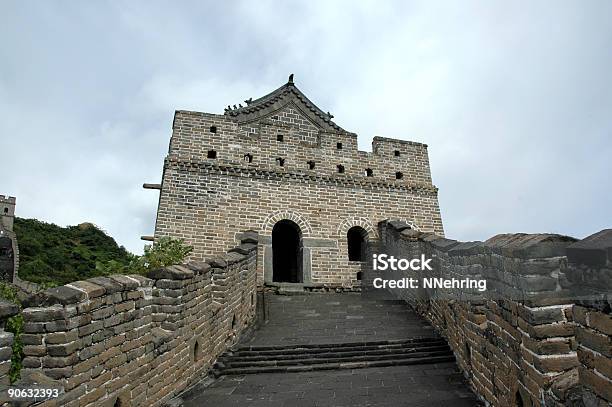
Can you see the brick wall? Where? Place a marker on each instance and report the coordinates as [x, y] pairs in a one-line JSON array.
[[136, 339], [537, 336], [7, 310], [302, 141]]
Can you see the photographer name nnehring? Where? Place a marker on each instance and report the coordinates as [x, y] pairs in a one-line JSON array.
[[383, 262]]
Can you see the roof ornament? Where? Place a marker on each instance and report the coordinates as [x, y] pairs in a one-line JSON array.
[[290, 79], [248, 101], [227, 109], [331, 116], [235, 107]]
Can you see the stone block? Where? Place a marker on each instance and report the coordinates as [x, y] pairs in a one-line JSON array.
[[594, 340], [594, 250], [598, 384], [468, 249], [601, 322], [443, 244], [171, 273], [110, 286], [530, 246], [594, 360], [126, 282], [63, 295], [93, 290], [217, 262], [7, 309], [198, 267]]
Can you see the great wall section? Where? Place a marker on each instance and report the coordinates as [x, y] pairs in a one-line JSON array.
[[276, 199]]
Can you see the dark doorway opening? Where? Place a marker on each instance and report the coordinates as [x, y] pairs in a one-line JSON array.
[[357, 243], [287, 252]]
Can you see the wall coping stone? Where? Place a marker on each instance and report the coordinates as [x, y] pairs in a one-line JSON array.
[[594, 250], [530, 246], [444, 244], [234, 257], [8, 309], [198, 267], [109, 285], [63, 295], [468, 248], [217, 262], [171, 273]]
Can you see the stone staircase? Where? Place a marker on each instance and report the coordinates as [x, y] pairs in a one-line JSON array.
[[352, 355]]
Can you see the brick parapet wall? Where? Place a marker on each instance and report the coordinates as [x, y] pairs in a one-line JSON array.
[[139, 340], [302, 141], [590, 273], [525, 340]]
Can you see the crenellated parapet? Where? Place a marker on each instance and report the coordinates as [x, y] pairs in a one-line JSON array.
[[541, 333], [136, 340]]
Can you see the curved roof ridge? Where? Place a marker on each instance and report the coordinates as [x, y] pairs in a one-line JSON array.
[[268, 104]]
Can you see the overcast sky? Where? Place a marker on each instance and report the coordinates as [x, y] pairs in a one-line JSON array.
[[514, 99]]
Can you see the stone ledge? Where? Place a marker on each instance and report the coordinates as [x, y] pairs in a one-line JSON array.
[[171, 273], [196, 164], [7, 309], [529, 246], [468, 249], [82, 290], [594, 250]]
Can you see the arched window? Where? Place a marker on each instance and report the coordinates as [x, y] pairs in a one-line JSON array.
[[357, 238]]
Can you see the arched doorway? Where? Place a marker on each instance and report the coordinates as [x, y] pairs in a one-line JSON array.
[[287, 252], [357, 239]]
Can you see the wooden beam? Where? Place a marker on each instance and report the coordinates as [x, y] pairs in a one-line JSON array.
[[151, 186], [147, 238]]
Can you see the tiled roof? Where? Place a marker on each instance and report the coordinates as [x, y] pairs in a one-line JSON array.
[[276, 100]]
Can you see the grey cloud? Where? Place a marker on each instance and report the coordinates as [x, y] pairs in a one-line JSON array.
[[512, 98]]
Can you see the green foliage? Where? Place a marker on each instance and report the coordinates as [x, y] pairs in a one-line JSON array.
[[165, 252], [9, 292], [52, 255], [15, 325]]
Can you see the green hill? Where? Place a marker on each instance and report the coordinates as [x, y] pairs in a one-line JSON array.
[[52, 254]]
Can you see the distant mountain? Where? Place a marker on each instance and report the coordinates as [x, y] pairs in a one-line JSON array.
[[52, 254]]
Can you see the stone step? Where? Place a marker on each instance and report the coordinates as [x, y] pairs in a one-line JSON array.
[[334, 366], [234, 363], [410, 341], [328, 352]]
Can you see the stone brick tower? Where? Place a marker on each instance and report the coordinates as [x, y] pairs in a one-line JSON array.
[[8, 242], [282, 167], [7, 212]]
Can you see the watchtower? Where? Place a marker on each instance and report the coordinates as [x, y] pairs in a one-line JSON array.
[[281, 166], [7, 211]]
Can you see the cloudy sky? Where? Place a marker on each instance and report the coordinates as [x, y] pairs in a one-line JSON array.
[[513, 98]]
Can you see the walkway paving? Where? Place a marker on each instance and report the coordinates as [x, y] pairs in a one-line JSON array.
[[338, 318]]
